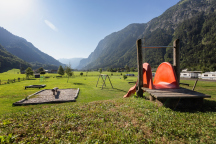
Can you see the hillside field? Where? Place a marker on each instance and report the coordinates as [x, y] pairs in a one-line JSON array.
[[101, 116]]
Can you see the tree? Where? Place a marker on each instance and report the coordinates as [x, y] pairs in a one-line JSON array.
[[81, 73], [60, 70], [68, 71], [127, 68], [125, 77], [29, 72], [86, 72], [40, 69], [100, 70], [132, 69]]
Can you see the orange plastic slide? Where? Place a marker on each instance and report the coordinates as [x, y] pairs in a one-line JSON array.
[[165, 77]]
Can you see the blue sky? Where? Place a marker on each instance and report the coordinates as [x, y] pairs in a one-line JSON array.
[[73, 28]]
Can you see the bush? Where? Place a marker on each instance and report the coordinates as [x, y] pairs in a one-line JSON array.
[[125, 77], [81, 73]]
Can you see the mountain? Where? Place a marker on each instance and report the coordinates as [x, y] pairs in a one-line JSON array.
[[193, 22], [73, 61], [24, 50], [110, 50], [9, 61]]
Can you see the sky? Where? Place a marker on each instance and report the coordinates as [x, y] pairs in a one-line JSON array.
[[73, 28]]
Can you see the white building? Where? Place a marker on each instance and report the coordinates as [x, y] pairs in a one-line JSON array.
[[209, 75], [190, 74]]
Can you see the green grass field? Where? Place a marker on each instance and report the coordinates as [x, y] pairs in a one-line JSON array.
[[101, 116]]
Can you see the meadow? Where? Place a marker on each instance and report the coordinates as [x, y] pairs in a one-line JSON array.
[[101, 116]]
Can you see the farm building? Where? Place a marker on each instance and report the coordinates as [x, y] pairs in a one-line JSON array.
[[190, 74], [209, 75]]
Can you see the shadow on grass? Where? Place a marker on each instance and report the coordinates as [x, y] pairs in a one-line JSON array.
[[208, 106], [132, 82], [120, 90], [112, 89], [79, 83]]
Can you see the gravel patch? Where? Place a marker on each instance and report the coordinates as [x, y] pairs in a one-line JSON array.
[[46, 96]]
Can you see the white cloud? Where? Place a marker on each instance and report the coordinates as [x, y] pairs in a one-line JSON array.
[[49, 24]]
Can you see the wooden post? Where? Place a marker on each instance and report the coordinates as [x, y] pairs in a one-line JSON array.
[[176, 58], [140, 68], [194, 85]]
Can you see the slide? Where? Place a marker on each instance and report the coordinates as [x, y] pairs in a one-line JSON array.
[[165, 78], [147, 80]]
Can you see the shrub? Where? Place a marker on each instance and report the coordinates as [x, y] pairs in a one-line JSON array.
[[125, 77]]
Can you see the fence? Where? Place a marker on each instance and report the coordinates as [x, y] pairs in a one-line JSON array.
[[11, 81]]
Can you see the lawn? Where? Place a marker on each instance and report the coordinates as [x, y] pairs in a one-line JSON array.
[[103, 116]]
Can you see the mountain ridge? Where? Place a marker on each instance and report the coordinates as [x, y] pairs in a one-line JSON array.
[[23, 49], [162, 30]]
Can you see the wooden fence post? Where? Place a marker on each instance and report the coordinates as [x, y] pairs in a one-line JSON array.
[[176, 58], [140, 68]]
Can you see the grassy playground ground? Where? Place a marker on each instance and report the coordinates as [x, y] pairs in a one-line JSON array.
[[101, 116]]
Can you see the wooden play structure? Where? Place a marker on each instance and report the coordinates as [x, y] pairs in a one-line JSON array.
[[165, 86], [103, 77]]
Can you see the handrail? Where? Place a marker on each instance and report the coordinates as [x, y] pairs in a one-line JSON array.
[[158, 47]]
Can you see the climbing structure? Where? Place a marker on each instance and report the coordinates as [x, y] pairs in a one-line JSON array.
[[165, 87]]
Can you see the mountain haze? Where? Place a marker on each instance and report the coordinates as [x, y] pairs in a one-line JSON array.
[[193, 22], [74, 62]]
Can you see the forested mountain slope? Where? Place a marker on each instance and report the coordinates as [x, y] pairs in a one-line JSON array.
[[9, 61], [23, 49], [191, 21]]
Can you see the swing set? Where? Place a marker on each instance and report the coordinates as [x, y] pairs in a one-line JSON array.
[[103, 77]]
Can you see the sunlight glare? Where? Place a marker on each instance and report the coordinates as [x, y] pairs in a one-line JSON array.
[[12, 8]]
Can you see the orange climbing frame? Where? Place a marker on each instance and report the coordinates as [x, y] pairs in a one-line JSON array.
[[165, 78]]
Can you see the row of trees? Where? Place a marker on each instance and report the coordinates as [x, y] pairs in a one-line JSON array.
[[67, 70], [126, 68], [29, 71]]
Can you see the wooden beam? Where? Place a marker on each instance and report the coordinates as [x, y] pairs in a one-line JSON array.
[[140, 68], [194, 85], [176, 58]]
